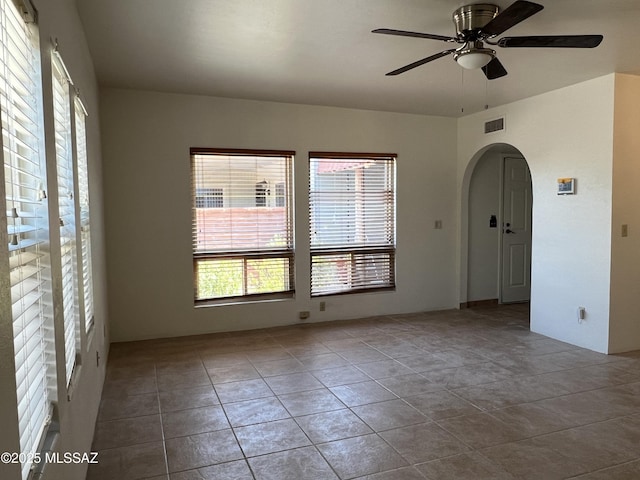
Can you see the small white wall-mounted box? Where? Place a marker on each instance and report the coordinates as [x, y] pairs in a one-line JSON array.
[[566, 186]]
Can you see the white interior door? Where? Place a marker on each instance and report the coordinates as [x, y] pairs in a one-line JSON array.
[[516, 232]]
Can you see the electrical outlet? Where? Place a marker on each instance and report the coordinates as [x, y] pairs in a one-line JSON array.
[[323, 306], [582, 314], [304, 315]]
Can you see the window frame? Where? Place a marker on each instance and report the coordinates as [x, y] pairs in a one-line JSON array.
[[65, 160], [34, 352], [83, 211], [245, 255], [357, 254]]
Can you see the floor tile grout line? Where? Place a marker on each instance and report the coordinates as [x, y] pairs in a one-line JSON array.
[[233, 429], [164, 443], [225, 462], [585, 474], [479, 449]]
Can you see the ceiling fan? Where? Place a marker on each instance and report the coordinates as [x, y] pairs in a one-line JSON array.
[[478, 24]]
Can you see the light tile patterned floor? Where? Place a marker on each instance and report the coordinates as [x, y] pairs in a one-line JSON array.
[[469, 394]]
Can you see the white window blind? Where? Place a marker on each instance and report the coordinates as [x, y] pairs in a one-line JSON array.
[[85, 217], [25, 205], [242, 241], [352, 222], [67, 213]]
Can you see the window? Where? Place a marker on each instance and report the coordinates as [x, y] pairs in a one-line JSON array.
[[244, 246], [22, 183], [262, 189], [209, 198], [280, 195], [85, 217], [67, 213], [352, 222]]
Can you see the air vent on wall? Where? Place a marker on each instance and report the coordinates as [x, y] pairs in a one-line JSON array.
[[494, 125]]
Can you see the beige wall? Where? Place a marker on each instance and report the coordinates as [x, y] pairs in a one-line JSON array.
[[564, 133], [146, 138], [624, 329]]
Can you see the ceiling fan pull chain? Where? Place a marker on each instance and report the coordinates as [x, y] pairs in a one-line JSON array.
[[486, 93], [462, 90]]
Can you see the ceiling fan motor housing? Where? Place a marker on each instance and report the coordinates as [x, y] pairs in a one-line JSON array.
[[471, 18]]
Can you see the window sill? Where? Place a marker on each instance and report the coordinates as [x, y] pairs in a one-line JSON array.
[[357, 291], [223, 302]]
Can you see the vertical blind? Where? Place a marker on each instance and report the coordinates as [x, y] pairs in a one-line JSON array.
[[83, 202], [352, 222], [26, 211], [242, 222], [67, 213]]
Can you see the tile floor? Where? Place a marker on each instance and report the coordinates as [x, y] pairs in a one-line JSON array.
[[469, 394]]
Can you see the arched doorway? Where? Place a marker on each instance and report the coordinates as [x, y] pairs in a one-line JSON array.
[[497, 218]]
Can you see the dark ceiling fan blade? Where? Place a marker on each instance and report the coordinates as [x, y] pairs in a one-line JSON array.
[[494, 69], [421, 62], [403, 33], [552, 41], [510, 16]]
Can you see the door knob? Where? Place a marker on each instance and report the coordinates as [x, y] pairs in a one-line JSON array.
[[508, 230]]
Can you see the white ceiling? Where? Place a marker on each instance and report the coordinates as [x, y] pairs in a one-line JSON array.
[[322, 52]]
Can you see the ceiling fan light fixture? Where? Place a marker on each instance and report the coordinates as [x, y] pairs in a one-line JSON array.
[[474, 58]]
